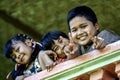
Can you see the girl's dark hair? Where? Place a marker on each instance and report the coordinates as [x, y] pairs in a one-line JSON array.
[[8, 46], [47, 39], [85, 11]]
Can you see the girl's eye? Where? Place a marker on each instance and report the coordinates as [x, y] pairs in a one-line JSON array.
[[83, 26], [60, 40], [73, 30], [17, 50], [56, 48], [14, 56]]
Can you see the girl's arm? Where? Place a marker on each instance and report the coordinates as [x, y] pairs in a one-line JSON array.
[[45, 61], [20, 77]]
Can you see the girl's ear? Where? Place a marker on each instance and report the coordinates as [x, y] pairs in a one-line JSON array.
[[60, 37], [97, 26], [28, 42]]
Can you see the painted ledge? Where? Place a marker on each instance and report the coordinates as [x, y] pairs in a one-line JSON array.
[[82, 64]]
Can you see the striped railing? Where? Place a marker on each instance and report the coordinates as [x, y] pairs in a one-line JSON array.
[[95, 65]]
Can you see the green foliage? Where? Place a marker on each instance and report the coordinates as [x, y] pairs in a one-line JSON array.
[[48, 15]]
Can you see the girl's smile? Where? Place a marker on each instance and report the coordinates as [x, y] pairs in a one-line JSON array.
[[82, 30], [21, 52]]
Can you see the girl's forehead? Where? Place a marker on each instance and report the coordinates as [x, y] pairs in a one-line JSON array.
[[16, 43]]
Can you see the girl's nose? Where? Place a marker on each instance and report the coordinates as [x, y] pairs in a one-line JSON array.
[[61, 46], [79, 32], [17, 55]]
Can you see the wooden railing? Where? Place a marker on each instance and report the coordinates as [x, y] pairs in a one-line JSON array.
[[95, 65]]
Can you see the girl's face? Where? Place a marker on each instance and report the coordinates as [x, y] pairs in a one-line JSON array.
[[59, 46], [21, 52], [82, 30]]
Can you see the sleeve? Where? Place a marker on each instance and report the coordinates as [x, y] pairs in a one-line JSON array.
[[15, 73], [109, 36]]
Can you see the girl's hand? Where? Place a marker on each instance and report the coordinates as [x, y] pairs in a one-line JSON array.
[[72, 48], [45, 61], [49, 67], [51, 54], [99, 43]]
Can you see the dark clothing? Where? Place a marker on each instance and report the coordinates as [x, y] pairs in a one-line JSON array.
[[108, 36]]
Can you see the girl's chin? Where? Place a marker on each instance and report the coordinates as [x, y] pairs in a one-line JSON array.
[[83, 43]]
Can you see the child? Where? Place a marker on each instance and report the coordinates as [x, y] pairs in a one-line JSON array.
[[27, 55], [84, 29], [61, 45]]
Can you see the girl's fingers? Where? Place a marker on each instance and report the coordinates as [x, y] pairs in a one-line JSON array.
[[70, 37], [95, 40], [102, 45], [50, 67], [99, 43], [53, 54], [75, 50]]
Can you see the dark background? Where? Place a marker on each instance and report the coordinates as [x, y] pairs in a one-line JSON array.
[[36, 17]]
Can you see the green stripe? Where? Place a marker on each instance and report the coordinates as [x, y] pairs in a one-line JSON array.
[[86, 67]]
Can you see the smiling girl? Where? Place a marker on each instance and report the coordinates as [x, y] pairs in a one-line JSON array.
[[29, 56], [84, 29]]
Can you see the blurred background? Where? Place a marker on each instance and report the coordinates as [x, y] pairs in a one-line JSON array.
[[36, 17]]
